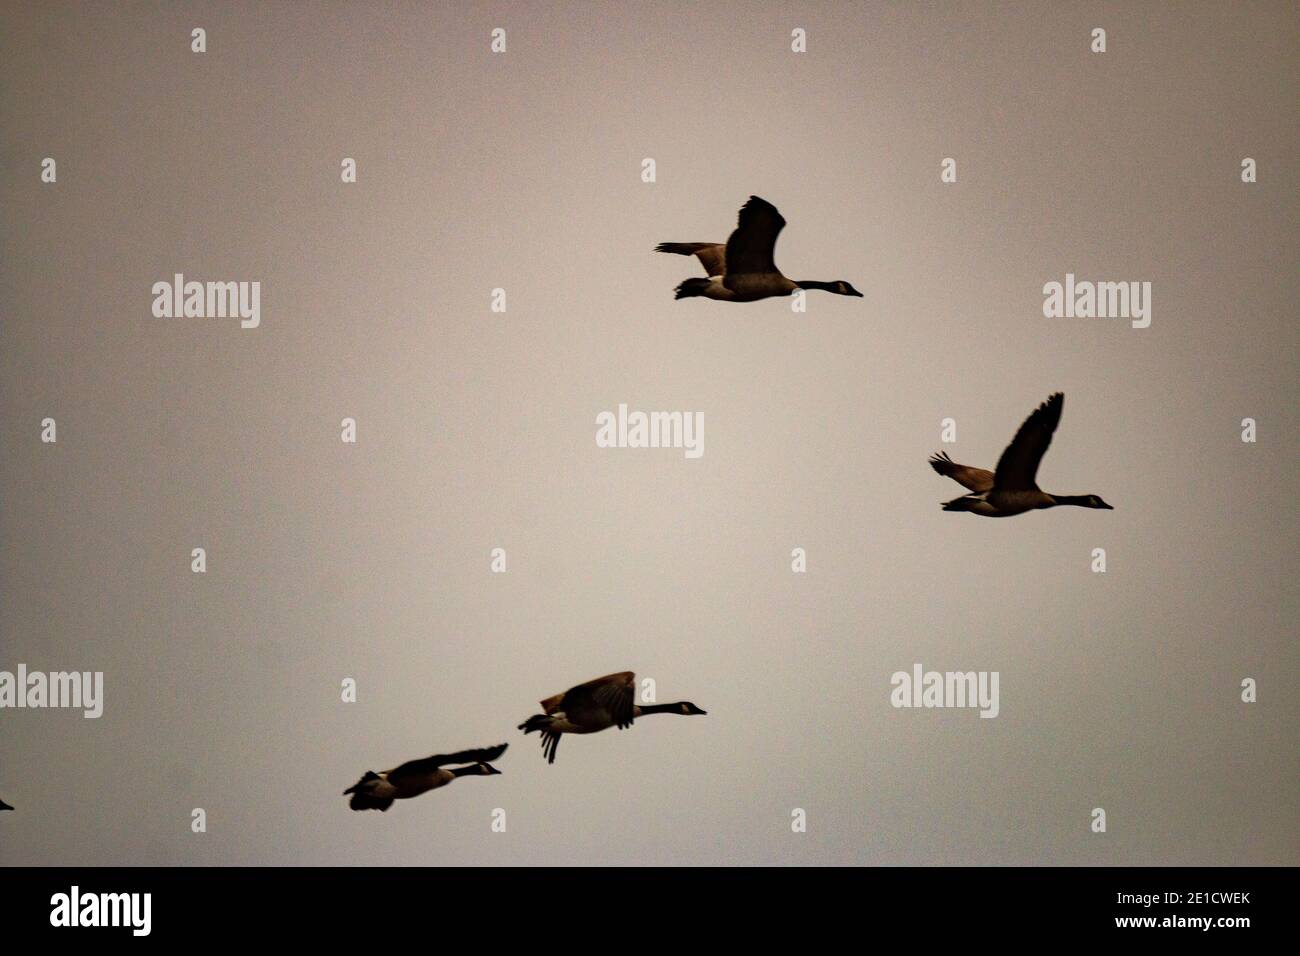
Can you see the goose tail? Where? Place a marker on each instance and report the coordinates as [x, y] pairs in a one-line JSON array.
[[535, 722], [691, 287], [366, 778], [364, 801]]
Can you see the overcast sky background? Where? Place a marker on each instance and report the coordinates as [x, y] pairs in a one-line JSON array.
[[476, 430]]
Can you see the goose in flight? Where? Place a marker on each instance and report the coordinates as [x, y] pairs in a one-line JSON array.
[[1011, 490], [743, 269], [377, 791], [593, 706]]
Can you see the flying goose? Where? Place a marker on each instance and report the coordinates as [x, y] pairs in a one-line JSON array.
[[377, 791], [1011, 490], [596, 705], [743, 270]]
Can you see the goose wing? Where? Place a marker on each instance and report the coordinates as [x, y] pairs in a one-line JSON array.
[[550, 743], [712, 255], [977, 480], [609, 696], [752, 246], [1018, 465], [426, 765]]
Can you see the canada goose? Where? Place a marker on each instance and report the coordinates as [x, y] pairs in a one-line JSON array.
[[744, 269], [377, 791], [5, 806], [1011, 489], [595, 705]]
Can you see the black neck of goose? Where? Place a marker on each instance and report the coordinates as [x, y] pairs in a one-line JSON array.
[[1081, 500], [661, 708], [824, 286]]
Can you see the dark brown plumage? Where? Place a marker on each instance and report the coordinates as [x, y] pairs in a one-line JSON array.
[[976, 479], [752, 245], [377, 791], [1018, 466], [743, 269], [594, 706], [1013, 488], [712, 255]]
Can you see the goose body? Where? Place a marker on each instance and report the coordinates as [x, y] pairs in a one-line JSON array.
[[743, 288], [595, 706], [1012, 489], [377, 791], [743, 269]]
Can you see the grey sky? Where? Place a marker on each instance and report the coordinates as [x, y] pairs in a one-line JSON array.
[[476, 430]]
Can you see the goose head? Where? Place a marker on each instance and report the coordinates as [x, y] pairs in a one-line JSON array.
[[1094, 501], [485, 769], [690, 710]]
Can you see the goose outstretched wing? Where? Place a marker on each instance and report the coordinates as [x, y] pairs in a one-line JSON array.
[[977, 480], [1018, 467], [752, 247], [610, 696], [427, 765]]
